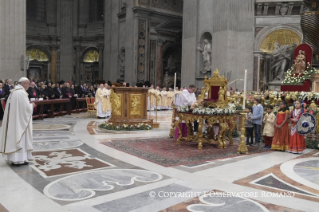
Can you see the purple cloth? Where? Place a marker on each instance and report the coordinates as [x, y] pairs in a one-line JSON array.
[[183, 127]]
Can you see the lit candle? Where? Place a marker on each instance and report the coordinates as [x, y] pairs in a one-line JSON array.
[[175, 83], [244, 100]]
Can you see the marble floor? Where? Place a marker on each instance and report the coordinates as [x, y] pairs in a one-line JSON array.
[[73, 171]]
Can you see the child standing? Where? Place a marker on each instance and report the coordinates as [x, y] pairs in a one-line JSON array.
[[249, 126], [280, 140], [297, 142], [257, 118], [269, 130]]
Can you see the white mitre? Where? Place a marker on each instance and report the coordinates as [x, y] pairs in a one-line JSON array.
[[22, 79]]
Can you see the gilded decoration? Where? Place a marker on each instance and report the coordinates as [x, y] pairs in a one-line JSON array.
[[282, 37], [226, 123], [116, 103], [215, 81], [135, 104], [91, 56], [37, 54]]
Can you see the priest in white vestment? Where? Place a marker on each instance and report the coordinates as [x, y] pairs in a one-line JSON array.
[[99, 97], [16, 131], [186, 98]]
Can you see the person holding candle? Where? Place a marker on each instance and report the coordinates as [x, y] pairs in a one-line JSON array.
[[297, 142], [280, 140]]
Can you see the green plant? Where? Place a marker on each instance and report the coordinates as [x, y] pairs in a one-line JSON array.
[[125, 127], [312, 144]]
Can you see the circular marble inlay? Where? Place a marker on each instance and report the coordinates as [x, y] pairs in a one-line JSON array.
[[50, 127], [303, 170]]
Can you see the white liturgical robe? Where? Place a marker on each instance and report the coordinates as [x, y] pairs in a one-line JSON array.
[[186, 98], [16, 130]]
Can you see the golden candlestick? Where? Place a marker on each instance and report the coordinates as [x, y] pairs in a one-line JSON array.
[[242, 148]]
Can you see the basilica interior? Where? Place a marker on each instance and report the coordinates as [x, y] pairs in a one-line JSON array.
[[82, 163]]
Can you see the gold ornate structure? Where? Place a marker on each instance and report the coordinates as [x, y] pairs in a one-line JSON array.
[[214, 92], [91, 56], [282, 37], [226, 123], [242, 148], [37, 54], [129, 106]]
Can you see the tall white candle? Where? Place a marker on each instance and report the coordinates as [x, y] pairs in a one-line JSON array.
[[245, 80], [175, 82]]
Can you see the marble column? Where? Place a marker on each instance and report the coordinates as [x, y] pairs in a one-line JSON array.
[[101, 48], [77, 63], [53, 63], [66, 38], [159, 69], [12, 38]]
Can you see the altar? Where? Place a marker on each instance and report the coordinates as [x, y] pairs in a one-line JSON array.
[[226, 123], [211, 109], [129, 106]]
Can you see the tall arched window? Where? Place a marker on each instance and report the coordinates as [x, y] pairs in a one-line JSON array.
[[96, 12], [35, 10]]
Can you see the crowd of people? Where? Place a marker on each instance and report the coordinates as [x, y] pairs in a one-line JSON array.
[[276, 132]]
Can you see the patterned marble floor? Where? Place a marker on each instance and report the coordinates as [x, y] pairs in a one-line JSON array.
[[73, 171]]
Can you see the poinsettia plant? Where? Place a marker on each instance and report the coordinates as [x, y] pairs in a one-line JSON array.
[[125, 127]]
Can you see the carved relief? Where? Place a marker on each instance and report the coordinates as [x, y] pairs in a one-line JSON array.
[[282, 37], [37, 54], [91, 56], [135, 104], [122, 63], [173, 5], [116, 101], [141, 50], [152, 61]]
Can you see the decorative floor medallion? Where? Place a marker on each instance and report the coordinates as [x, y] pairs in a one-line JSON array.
[[63, 162], [83, 186], [50, 127]]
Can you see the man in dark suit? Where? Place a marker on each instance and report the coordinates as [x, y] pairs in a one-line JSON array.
[[32, 91], [58, 91], [80, 89], [7, 87]]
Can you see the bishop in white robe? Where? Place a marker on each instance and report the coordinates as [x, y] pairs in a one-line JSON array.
[[186, 98], [16, 131]]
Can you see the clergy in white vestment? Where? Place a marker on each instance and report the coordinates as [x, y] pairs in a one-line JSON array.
[[16, 131], [99, 97], [186, 98]]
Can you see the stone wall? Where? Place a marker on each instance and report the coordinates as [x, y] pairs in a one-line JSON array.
[[12, 39], [231, 24]]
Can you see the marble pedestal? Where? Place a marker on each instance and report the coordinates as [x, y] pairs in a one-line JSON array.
[[275, 85], [315, 82]]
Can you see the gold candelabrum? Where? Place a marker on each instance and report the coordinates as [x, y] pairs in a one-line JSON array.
[[242, 148], [172, 130]]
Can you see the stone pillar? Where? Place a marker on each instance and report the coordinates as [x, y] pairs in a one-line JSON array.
[[159, 69], [53, 63], [77, 63], [66, 39], [101, 48], [12, 38]]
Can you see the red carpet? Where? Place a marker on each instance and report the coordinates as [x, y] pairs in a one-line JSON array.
[[165, 151]]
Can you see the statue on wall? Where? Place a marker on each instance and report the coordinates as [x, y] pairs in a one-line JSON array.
[[300, 63], [206, 52], [171, 67], [221, 94], [122, 63], [281, 58]]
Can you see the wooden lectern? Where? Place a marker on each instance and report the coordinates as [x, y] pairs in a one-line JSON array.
[[129, 106]]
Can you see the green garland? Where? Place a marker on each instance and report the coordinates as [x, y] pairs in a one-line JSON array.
[[125, 127]]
